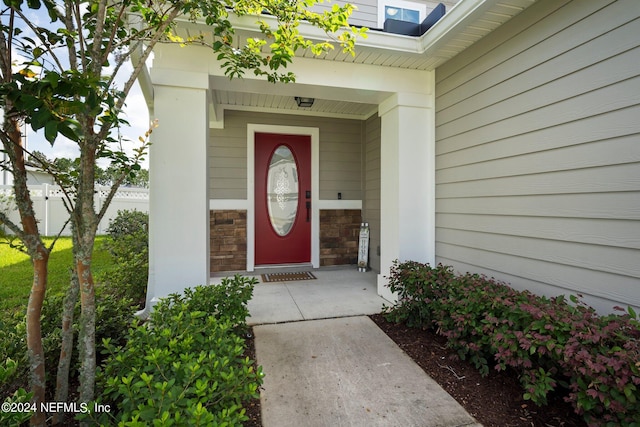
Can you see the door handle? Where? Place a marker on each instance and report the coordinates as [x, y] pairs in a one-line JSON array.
[[308, 209]]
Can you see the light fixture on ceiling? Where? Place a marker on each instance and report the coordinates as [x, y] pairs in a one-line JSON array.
[[304, 102]]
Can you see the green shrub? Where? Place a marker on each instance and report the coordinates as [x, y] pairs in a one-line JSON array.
[[5, 207], [13, 347], [128, 245], [416, 287], [227, 300], [185, 365], [548, 342], [17, 413], [13, 344], [113, 317], [127, 223]]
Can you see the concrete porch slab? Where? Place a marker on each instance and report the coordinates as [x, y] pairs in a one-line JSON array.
[[346, 372], [272, 303], [335, 293]]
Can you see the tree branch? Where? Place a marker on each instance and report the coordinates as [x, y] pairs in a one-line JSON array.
[[55, 239], [98, 36], [146, 52], [112, 36], [44, 41], [72, 11], [120, 179], [9, 52], [15, 229], [46, 166]]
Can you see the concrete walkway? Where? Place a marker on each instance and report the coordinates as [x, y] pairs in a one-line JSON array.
[[339, 369]]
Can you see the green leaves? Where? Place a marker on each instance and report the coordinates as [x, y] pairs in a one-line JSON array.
[[185, 367], [267, 56], [33, 4]]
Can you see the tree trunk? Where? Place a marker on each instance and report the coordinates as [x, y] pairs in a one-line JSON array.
[[87, 336], [66, 347], [34, 334], [84, 229], [39, 254]]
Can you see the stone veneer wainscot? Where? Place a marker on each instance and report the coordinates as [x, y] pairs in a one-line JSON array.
[[339, 232], [228, 240]]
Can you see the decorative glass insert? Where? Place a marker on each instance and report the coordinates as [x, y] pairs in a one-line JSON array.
[[282, 190]]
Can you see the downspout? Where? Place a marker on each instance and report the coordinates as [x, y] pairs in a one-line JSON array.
[[144, 80]]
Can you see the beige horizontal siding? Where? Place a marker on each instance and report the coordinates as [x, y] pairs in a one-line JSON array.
[[340, 154], [538, 152], [592, 231], [545, 278], [568, 181], [228, 161], [615, 205], [365, 15], [609, 259], [371, 203]]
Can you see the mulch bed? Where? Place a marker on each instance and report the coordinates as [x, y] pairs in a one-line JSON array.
[[253, 407], [494, 401]]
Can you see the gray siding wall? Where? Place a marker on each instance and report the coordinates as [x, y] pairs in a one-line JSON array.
[[538, 152], [366, 14], [371, 202], [340, 154]]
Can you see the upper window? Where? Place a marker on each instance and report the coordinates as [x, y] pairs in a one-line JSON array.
[[401, 14], [401, 10]]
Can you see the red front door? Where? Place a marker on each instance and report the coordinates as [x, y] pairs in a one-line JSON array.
[[282, 198]]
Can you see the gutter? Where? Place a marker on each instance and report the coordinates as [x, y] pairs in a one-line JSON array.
[[454, 22], [461, 16]]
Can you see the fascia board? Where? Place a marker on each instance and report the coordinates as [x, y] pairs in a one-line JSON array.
[[452, 23], [375, 39], [455, 21]]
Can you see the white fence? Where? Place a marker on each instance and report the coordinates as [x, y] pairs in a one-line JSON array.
[[52, 215]]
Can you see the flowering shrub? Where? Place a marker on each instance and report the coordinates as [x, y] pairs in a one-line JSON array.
[[549, 342]]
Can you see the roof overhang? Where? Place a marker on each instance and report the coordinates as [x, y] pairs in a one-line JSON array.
[[461, 27]]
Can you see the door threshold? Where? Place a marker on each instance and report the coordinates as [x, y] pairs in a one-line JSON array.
[[282, 268]]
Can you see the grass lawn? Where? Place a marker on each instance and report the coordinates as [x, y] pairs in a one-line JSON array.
[[16, 273]]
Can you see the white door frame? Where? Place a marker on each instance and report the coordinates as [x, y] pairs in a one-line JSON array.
[[312, 132]]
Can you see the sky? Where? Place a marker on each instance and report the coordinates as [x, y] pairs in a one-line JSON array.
[[135, 113]]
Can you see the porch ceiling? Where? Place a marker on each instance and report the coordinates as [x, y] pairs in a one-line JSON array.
[[233, 100]]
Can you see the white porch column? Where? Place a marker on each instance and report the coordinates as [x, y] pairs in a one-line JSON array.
[[178, 169], [407, 194]]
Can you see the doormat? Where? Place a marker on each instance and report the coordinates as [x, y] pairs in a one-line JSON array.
[[287, 277]]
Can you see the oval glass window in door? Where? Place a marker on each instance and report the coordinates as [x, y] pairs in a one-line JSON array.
[[282, 190]]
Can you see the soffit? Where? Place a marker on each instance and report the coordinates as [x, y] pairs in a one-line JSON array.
[[285, 104], [462, 26]]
